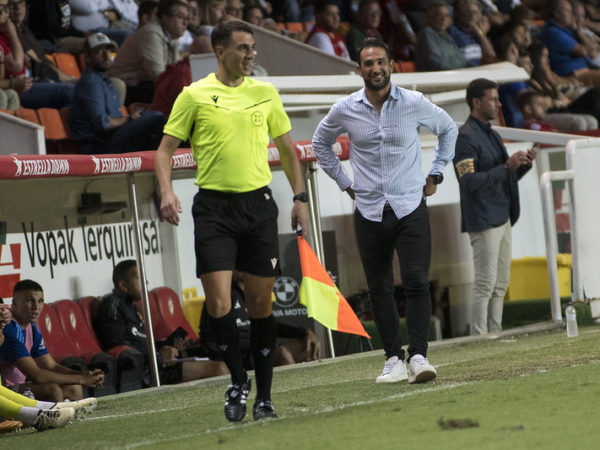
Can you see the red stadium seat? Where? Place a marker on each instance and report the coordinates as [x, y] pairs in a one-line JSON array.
[[67, 63], [58, 344], [28, 114], [169, 312], [75, 327]]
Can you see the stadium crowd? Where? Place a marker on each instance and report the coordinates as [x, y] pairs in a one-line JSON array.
[[150, 40]]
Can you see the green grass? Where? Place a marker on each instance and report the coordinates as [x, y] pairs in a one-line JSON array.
[[529, 391]]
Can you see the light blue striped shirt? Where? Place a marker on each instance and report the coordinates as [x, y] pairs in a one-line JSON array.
[[385, 151]]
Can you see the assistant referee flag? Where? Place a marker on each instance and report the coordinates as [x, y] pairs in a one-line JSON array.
[[322, 299]]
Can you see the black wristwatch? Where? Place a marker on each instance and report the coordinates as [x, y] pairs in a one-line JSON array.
[[437, 178], [302, 196]]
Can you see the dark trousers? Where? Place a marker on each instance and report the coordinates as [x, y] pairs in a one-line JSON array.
[[143, 133], [410, 236]]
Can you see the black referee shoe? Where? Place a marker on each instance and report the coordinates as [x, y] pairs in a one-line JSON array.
[[263, 410], [235, 401]]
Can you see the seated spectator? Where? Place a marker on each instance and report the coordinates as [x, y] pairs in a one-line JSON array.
[[366, 23], [23, 355], [212, 12], [145, 53], [587, 37], [91, 16], [324, 35], [192, 28], [254, 15], [33, 94], [436, 49], [9, 98], [567, 53], [520, 34], [50, 21], [533, 106], [40, 68], [567, 94], [295, 345], [147, 12], [562, 119], [470, 33], [96, 120], [119, 322], [234, 9], [287, 10], [396, 29]]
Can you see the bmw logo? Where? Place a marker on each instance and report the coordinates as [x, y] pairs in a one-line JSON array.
[[286, 291]]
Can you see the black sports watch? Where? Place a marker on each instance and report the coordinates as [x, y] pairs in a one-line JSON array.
[[437, 178], [302, 196]]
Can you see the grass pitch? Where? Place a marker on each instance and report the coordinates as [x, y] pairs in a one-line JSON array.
[[515, 392]]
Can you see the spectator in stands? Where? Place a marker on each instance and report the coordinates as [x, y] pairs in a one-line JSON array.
[[287, 10], [533, 106], [489, 200], [324, 35], [33, 94], [562, 119], [119, 322], [366, 25], [97, 16], [520, 35], [587, 37], [95, 117], [298, 344], [396, 29], [38, 65], [147, 12], [436, 49], [192, 28], [567, 53], [212, 12], [470, 33], [145, 54], [24, 355], [235, 9], [123, 14], [567, 95], [50, 21], [254, 15], [9, 98]]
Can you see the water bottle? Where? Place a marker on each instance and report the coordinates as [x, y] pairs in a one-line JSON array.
[[27, 392], [571, 315]]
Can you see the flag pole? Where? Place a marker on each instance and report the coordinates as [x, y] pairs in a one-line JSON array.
[[315, 223]]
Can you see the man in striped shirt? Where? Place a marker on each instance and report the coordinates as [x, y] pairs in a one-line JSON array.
[[382, 122]]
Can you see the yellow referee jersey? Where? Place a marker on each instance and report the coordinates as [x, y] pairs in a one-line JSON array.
[[230, 129]]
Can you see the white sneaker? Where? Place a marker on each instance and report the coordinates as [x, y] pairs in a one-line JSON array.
[[82, 407], [419, 370], [394, 370], [53, 418]]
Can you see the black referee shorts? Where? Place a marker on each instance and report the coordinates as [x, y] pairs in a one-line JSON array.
[[236, 231]]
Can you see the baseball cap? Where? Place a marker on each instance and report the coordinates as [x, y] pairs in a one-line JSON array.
[[98, 40]]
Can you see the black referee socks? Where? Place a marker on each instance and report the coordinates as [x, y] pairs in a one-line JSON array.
[[227, 337], [262, 345]]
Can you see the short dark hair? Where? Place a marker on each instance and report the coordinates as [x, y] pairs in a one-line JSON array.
[[121, 271], [27, 285], [526, 97], [165, 7], [477, 88], [221, 34], [373, 42], [147, 7], [322, 5]]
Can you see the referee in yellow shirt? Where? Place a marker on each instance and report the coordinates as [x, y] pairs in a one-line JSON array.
[[228, 118]]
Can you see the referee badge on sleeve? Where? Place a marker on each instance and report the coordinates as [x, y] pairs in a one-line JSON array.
[[465, 166]]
